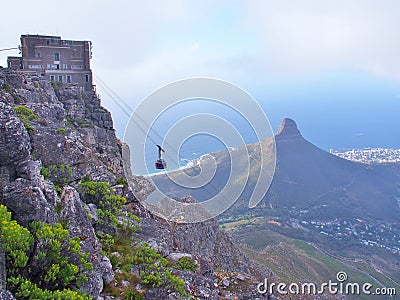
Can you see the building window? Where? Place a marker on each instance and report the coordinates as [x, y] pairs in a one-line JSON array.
[[34, 66], [65, 66], [68, 78], [56, 56], [87, 78], [51, 77], [57, 67], [60, 78], [48, 66], [38, 55], [47, 42], [73, 67]]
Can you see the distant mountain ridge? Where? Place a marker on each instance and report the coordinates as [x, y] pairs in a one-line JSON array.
[[307, 177]]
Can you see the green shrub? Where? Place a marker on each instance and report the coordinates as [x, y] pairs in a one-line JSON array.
[[80, 122], [16, 239], [45, 172], [131, 294], [6, 87], [60, 174], [106, 241], [26, 116], [43, 264], [61, 130], [116, 261], [58, 207], [11, 90], [83, 123], [85, 178], [108, 204], [58, 189], [186, 264], [121, 181], [94, 192], [29, 290], [153, 269], [27, 113]]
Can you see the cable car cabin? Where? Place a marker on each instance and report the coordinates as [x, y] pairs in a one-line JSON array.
[[161, 164]]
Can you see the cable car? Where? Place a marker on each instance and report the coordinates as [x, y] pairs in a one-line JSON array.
[[160, 164]]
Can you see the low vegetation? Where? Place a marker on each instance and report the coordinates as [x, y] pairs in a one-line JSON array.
[[108, 204], [43, 262], [26, 116], [121, 181], [186, 264], [78, 123], [124, 251], [61, 130], [153, 269], [60, 175]]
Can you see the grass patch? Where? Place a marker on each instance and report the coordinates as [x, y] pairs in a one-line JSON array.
[[61, 130], [294, 260], [26, 116]]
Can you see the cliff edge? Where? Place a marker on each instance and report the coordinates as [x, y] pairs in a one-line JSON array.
[[57, 145]]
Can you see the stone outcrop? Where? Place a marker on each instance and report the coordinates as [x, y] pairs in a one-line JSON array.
[[22, 186], [6, 295], [78, 224], [288, 131], [72, 129], [24, 190]]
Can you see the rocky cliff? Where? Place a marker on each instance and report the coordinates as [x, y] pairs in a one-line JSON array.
[[54, 137], [287, 130]]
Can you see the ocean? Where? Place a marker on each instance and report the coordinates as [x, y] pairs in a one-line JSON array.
[[330, 126], [332, 113]]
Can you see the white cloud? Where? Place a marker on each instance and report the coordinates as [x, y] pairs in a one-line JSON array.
[[314, 35], [139, 46]]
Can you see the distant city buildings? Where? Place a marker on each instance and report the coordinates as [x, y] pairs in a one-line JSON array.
[[367, 231], [55, 59], [370, 155]]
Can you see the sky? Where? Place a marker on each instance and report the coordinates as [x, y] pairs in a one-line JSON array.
[[333, 66]]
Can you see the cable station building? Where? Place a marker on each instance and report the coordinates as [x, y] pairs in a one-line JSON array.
[[55, 59]]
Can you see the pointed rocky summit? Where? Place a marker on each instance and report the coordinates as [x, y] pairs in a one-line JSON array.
[[288, 130]]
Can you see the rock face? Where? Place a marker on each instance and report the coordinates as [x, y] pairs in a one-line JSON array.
[[23, 189], [212, 248], [6, 295], [92, 150], [79, 225], [73, 132], [288, 131]]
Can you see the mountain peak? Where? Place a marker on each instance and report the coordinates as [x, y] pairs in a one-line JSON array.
[[288, 129]]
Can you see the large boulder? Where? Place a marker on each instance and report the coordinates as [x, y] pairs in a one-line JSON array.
[[78, 224], [21, 185]]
